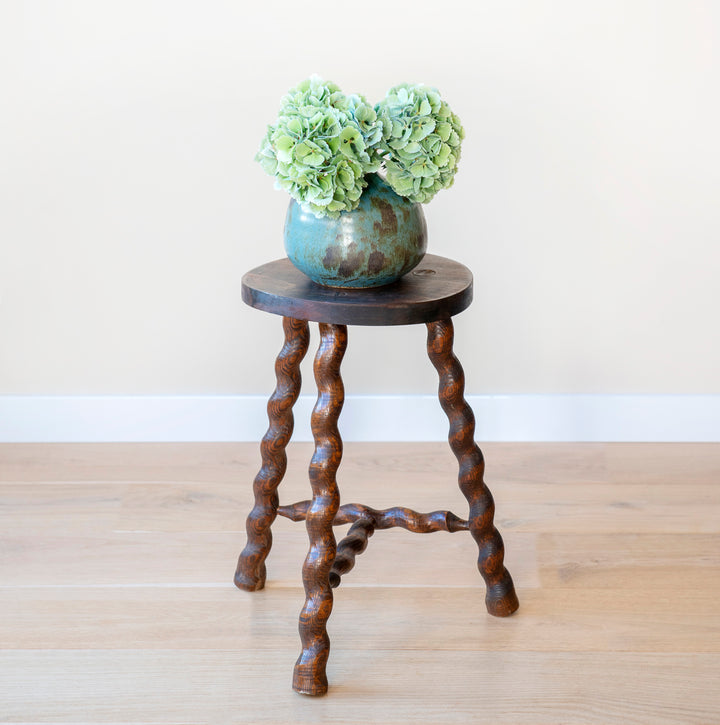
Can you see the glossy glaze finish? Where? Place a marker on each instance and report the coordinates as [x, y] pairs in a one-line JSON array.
[[374, 245]]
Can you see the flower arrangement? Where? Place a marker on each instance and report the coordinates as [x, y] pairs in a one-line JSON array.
[[325, 143]]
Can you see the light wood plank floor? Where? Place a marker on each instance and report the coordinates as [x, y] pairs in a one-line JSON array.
[[116, 601]]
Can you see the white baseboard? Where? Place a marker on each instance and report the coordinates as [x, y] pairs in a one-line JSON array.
[[364, 418]]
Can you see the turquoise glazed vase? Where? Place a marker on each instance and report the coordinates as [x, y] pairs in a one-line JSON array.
[[373, 245]]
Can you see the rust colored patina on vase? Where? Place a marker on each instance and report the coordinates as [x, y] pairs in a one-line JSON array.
[[373, 245]]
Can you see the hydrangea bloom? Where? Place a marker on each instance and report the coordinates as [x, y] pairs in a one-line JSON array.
[[322, 146], [421, 141]]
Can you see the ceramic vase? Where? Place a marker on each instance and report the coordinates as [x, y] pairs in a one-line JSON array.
[[373, 245]]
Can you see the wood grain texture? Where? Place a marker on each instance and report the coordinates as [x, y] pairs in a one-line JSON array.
[[115, 605], [405, 518], [436, 289], [250, 573], [365, 520], [354, 543], [381, 686], [500, 599], [583, 488], [309, 677], [392, 616]]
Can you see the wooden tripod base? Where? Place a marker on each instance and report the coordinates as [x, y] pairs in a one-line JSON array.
[[435, 291], [327, 562]]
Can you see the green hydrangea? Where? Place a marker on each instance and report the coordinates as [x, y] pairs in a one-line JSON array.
[[322, 146], [421, 141]]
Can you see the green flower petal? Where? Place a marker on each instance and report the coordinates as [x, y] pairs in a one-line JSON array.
[[313, 159], [283, 148], [295, 126], [443, 156], [346, 178], [324, 143], [421, 128], [443, 130], [365, 114], [349, 135], [302, 150], [398, 143], [354, 193]]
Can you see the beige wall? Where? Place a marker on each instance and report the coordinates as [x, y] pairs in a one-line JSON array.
[[587, 202]]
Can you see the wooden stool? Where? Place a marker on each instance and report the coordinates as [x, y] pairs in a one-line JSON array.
[[432, 293]]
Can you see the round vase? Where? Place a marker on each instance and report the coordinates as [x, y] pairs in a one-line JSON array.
[[373, 245]]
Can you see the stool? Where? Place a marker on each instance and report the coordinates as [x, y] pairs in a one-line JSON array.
[[432, 293]]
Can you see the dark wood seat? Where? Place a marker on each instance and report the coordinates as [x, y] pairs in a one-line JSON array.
[[436, 289], [431, 294]]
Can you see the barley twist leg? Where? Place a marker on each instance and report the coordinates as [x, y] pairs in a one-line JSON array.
[[500, 599], [353, 544], [250, 573], [309, 677]]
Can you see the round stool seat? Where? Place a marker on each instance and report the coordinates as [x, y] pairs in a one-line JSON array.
[[436, 289]]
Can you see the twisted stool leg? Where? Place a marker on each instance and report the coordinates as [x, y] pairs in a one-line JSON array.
[[309, 677], [353, 544], [250, 573], [500, 599]]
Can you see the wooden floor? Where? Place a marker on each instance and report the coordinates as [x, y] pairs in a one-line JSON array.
[[116, 601]]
